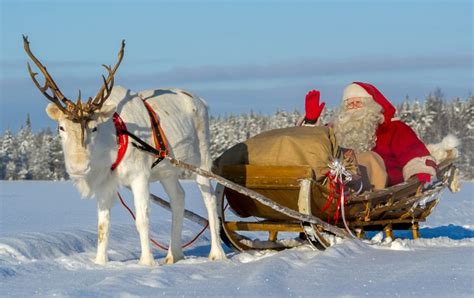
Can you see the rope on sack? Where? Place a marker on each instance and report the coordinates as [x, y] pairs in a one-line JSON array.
[[337, 175]]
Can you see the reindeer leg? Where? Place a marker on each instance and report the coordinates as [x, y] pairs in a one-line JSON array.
[[217, 253], [141, 197], [176, 194], [104, 203]]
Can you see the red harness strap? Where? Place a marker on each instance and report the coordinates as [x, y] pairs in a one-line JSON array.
[[122, 139], [159, 138]]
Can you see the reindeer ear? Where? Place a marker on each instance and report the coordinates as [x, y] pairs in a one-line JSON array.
[[106, 111], [53, 111]]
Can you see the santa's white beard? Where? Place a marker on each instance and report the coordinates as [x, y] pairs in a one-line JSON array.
[[355, 129]]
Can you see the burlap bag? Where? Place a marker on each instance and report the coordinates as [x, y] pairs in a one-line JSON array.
[[375, 168], [292, 146]]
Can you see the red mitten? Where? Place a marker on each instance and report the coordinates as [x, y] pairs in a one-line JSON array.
[[312, 107], [423, 177]]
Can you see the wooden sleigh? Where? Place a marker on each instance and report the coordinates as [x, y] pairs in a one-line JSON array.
[[248, 224]]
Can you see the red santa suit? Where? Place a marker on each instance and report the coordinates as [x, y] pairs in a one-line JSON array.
[[403, 153]]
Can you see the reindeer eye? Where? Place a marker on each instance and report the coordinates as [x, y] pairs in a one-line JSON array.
[[94, 129], [61, 128]]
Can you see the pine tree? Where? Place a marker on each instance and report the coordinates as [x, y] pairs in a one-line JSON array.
[[436, 118], [467, 139], [454, 113], [405, 113], [420, 122], [40, 159], [26, 147], [57, 163], [3, 162], [10, 155]]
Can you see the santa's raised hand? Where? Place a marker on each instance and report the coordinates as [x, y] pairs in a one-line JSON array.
[[313, 108]]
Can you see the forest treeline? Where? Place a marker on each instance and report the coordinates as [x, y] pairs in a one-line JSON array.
[[26, 155]]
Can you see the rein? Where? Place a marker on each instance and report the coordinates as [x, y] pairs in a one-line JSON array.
[[156, 243]]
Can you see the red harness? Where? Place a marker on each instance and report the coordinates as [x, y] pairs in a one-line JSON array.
[[121, 133], [158, 136], [122, 139]]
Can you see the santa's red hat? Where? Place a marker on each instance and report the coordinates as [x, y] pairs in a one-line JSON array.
[[359, 89]]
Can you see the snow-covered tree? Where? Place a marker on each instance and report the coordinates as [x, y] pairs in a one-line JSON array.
[[436, 116], [466, 135], [3, 159], [26, 147], [10, 155], [40, 159], [57, 159]]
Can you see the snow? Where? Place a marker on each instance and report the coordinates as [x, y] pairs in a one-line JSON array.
[[48, 240]]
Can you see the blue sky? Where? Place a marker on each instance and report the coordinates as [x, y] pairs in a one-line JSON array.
[[238, 55]]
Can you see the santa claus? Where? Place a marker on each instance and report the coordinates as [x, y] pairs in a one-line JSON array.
[[366, 122]]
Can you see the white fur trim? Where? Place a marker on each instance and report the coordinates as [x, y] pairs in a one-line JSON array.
[[354, 90], [446, 149], [450, 141], [418, 165]]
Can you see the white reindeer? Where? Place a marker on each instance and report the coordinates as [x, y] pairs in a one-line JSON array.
[[90, 147]]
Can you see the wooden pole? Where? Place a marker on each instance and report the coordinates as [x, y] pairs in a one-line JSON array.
[[388, 231], [415, 229], [188, 214], [272, 236]]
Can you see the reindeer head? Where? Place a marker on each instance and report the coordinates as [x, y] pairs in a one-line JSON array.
[[77, 121]]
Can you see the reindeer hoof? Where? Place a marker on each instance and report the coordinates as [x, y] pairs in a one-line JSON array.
[[217, 255], [101, 260], [147, 261], [171, 260]]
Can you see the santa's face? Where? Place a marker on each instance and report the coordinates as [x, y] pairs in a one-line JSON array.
[[353, 103], [356, 123]]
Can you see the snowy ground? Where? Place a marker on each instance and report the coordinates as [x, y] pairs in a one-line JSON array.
[[47, 242]]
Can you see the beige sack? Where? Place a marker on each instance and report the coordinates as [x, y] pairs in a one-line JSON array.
[[375, 167], [292, 146]]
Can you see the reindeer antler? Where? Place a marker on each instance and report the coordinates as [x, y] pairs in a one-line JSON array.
[[74, 111], [104, 92], [56, 97]]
